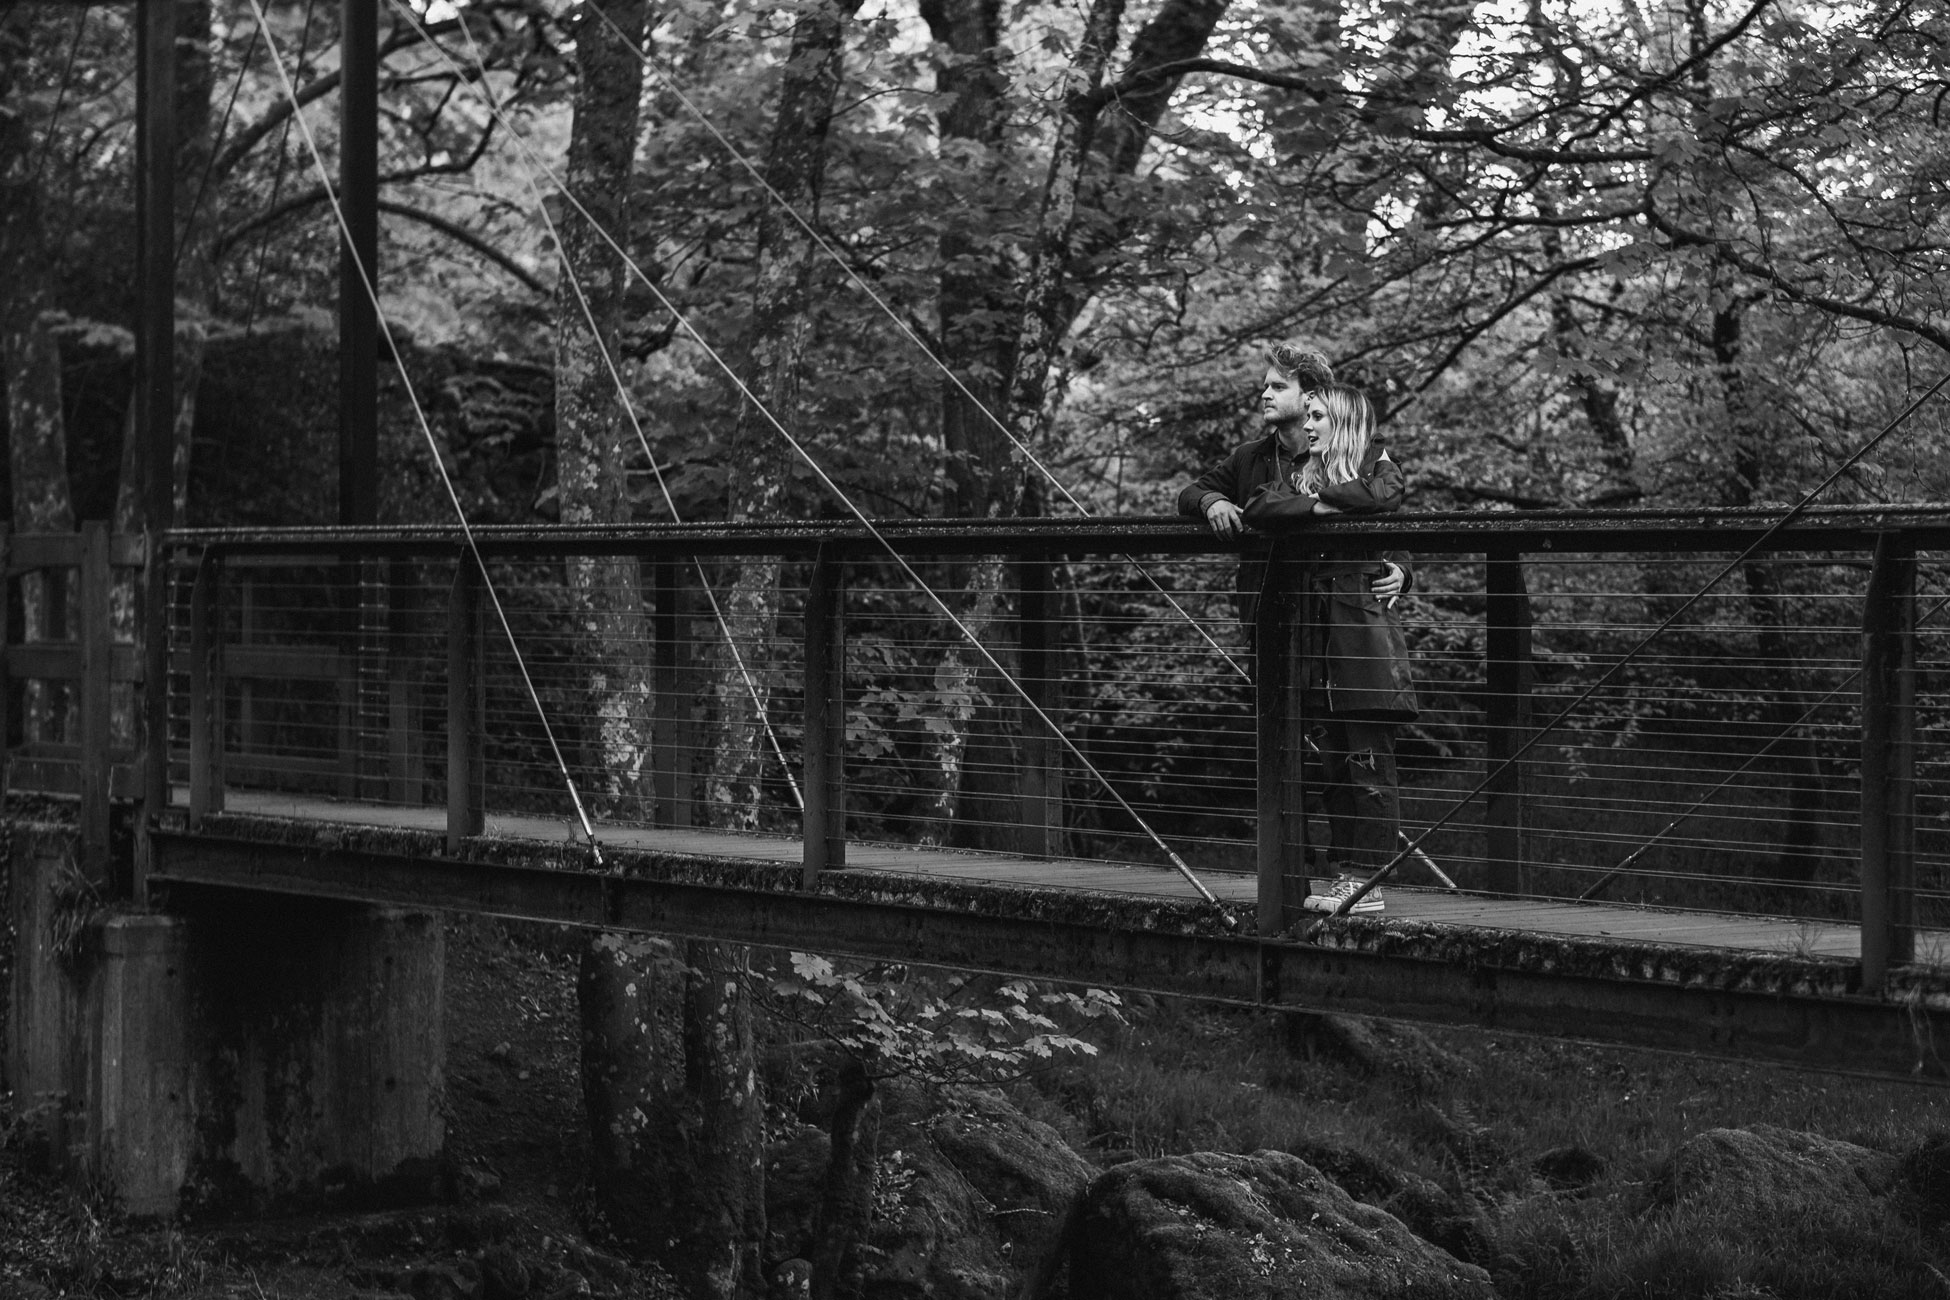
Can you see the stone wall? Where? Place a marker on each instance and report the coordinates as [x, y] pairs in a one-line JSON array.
[[237, 1053]]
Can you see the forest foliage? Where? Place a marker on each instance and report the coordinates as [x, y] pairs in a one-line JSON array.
[[1682, 253], [1678, 253]]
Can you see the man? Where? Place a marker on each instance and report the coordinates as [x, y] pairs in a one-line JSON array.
[[1319, 457], [1220, 495]]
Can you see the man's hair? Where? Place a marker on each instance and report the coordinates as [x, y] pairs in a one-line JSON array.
[[1302, 364], [1350, 428]]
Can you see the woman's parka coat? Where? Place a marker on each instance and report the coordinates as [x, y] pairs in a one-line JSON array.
[[1354, 649]]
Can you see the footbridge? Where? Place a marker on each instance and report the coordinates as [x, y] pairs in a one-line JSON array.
[[1727, 838], [1675, 783]]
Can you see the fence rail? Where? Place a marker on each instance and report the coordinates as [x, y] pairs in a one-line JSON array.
[[1769, 753]]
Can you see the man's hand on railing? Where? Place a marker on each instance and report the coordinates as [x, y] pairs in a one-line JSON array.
[[1226, 518]]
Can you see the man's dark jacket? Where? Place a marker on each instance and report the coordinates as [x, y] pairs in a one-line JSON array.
[[1355, 648]]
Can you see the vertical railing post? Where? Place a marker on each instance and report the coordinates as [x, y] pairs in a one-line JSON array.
[[343, 592], [405, 745], [250, 738], [1280, 725], [372, 691], [6, 639], [1506, 704], [206, 688], [1040, 775], [824, 827], [97, 638], [466, 786], [1889, 761], [671, 764]]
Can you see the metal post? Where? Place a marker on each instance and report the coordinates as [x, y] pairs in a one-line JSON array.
[[1040, 774], [6, 639], [1281, 727], [155, 387], [206, 689], [97, 644], [824, 826], [358, 260], [466, 788], [406, 744], [250, 735], [671, 768], [373, 652], [1506, 705], [1889, 762]]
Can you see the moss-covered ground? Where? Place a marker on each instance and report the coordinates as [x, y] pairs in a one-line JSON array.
[[1470, 1111]]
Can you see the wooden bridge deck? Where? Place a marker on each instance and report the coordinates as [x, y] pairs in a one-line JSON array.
[[1623, 923]]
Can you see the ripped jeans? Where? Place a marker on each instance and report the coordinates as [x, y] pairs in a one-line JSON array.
[[1359, 787]]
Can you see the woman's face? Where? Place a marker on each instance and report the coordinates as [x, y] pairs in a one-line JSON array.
[[1280, 399], [1313, 424]]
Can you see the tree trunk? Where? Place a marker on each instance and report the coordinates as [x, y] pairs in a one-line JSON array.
[[758, 465], [1745, 441], [30, 357], [1042, 320], [976, 273], [628, 1002], [195, 272], [846, 1210], [719, 1245], [1596, 393], [676, 1123], [678, 1154], [974, 750], [589, 425]]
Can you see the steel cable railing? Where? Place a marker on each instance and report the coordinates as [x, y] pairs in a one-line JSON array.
[[935, 758]]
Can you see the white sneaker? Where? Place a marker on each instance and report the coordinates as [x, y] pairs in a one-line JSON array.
[[1339, 892]]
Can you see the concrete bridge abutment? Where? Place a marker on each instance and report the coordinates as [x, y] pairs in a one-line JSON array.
[[236, 1053]]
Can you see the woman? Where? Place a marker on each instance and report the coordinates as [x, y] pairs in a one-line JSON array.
[[1219, 496], [1354, 666]]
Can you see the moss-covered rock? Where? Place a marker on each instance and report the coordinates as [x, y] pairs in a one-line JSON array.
[[1423, 1206], [1767, 1167], [970, 1195], [1021, 1167], [1247, 1227]]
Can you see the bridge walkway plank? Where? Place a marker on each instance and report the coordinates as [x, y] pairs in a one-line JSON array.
[[1763, 934]]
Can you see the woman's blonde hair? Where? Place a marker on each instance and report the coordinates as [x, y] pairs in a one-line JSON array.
[[1350, 427]]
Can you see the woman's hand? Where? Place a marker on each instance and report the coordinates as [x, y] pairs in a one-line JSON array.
[[1325, 508], [1388, 587], [1226, 518]]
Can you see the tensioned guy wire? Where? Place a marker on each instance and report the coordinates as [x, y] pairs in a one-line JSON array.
[[426, 430], [920, 344], [643, 440], [1793, 512], [1625, 863], [900, 323], [833, 487]]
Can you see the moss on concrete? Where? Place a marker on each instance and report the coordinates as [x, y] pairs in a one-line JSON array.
[[1531, 952]]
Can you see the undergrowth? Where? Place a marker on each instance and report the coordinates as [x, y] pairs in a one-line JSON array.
[[1181, 1077]]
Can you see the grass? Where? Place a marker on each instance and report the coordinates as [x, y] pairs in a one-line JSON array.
[[1182, 1078]]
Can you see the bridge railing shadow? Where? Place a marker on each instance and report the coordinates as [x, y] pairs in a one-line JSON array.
[[1736, 763]]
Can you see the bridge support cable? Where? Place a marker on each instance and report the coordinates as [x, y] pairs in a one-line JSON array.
[[900, 323], [839, 494], [1002, 426], [1768, 534], [643, 441], [1412, 846], [1625, 864], [371, 289]]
